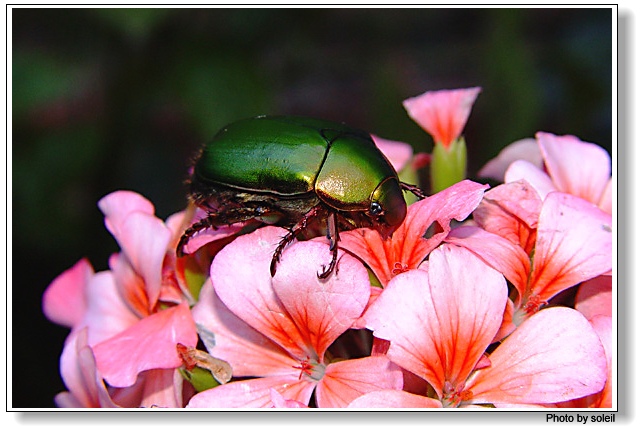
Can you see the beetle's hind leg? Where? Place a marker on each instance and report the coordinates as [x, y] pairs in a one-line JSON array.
[[202, 224], [214, 219]]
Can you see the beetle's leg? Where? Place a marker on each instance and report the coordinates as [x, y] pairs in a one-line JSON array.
[[204, 223], [413, 189], [214, 219], [333, 236], [289, 237]]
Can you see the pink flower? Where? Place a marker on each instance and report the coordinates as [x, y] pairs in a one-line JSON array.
[[277, 330], [443, 113], [440, 321], [408, 248], [570, 242], [132, 315], [565, 164]]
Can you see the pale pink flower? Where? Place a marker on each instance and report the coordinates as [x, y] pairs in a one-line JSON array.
[[134, 314], [442, 113], [277, 330], [440, 321], [565, 164], [525, 149]]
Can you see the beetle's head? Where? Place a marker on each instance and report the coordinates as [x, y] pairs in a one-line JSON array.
[[387, 207]]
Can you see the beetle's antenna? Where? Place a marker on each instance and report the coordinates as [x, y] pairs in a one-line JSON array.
[[413, 189]]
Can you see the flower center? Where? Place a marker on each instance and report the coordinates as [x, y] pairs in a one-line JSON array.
[[455, 395], [312, 369], [399, 267]]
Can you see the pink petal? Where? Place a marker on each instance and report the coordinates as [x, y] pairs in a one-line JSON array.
[[525, 149], [397, 152], [253, 393], [553, 356], [231, 339], [79, 372], [501, 254], [576, 167], [346, 380], [512, 211], [606, 203], [107, 314], [63, 302], [390, 398], [574, 244], [439, 323], [280, 402], [595, 297], [241, 276], [321, 309], [163, 388], [130, 285], [536, 177], [149, 344], [116, 206], [443, 113], [145, 240]]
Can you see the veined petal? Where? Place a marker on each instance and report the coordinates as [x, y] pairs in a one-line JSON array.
[[443, 113], [241, 276], [346, 380], [553, 356], [64, 301], [439, 323], [512, 211], [149, 344], [254, 393], [231, 339], [576, 167], [393, 399], [321, 309], [574, 241], [503, 255]]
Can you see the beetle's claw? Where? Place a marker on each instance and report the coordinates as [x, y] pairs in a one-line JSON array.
[[275, 260], [327, 271]]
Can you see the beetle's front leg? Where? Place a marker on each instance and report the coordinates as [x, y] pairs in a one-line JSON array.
[[333, 236], [289, 237]]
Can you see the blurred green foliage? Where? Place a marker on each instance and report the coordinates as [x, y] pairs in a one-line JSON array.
[[117, 98]]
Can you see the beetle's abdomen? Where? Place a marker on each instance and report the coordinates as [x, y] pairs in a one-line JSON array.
[[263, 155]]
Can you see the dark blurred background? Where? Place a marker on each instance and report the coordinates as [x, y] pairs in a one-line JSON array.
[[107, 99]]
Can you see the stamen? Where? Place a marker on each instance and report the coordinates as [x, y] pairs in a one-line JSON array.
[[399, 267]]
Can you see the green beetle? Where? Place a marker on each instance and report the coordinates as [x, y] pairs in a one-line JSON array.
[[298, 173]]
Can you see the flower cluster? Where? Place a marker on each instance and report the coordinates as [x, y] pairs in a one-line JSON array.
[[492, 297]]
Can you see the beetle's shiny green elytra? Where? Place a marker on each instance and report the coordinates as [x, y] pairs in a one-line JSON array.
[[299, 173]]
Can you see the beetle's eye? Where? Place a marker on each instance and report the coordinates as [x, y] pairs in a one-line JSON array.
[[375, 209]]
